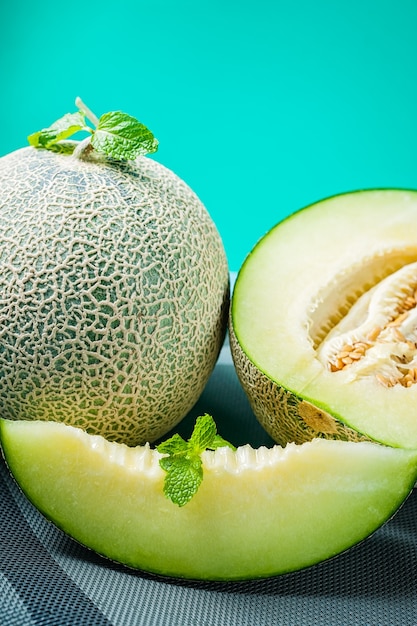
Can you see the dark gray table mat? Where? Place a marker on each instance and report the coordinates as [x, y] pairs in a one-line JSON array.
[[46, 579]]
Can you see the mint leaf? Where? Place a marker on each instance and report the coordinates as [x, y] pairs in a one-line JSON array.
[[116, 135], [183, 465], [183, 480], [166, 463], [63, 147], [173, 445], [59, 130], [122, 137], [219, 442], [204, 433]]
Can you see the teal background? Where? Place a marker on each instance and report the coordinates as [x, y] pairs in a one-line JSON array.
[[262, 107]]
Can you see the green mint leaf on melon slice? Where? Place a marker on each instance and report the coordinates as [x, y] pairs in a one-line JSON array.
[[174, 445], [183, 465], [63, 128], [203, 434], [183, 479], [219, 442], [122, 137]]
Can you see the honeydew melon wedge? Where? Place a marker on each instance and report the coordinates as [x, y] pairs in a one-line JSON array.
[[257, 513], [336, 279]]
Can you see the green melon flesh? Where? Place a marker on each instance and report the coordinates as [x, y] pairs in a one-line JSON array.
[[300, 282], [114, 294], [257, 513]]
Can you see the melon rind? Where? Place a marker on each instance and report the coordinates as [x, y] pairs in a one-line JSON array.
[[284, 415], [114, 293]]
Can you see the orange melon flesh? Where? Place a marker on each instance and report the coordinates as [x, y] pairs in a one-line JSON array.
[[258, 513]]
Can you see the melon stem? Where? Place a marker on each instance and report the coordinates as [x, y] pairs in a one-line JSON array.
[[87, 112]]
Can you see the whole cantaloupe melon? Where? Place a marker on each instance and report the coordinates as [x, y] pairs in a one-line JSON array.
[[114, 291]]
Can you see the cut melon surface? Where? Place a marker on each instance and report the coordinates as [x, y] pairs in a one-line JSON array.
[[337, 276], [258, 512]]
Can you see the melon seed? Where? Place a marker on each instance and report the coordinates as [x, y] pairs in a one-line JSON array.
[[373, 349]]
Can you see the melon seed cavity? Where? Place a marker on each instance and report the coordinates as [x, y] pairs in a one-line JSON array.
[[378, 336]]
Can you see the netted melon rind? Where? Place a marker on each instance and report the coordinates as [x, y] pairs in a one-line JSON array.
[[285, 416], [113, 294]]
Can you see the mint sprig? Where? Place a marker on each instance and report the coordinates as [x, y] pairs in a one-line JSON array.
[[122, 136], [63, 128], [116, 135], [183, 464]]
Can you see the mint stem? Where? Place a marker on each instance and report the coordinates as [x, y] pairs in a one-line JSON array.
[[87, 112]]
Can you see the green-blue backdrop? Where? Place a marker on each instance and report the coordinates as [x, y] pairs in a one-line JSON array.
[[262, 106]]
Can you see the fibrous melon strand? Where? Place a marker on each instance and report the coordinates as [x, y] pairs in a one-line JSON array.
[[377, 337], [334, 302]]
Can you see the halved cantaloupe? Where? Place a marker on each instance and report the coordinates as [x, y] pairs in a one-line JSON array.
[[324, 321], [257, 513]]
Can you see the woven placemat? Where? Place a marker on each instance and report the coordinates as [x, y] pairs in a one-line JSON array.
[[46, 579]]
